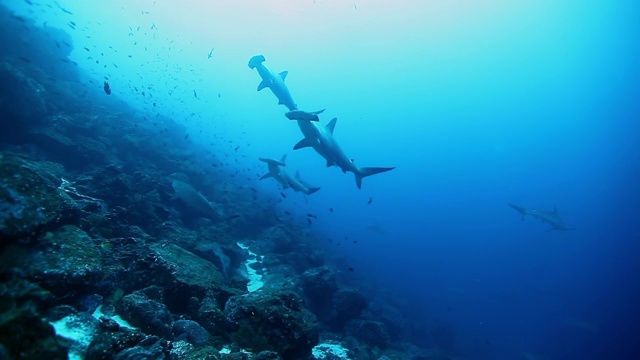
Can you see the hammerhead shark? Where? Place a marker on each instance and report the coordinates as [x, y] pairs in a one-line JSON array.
[[550, 217], [320, 138], [273, 81], [277, 172]]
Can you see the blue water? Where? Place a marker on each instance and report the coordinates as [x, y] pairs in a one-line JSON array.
[[476, 104]]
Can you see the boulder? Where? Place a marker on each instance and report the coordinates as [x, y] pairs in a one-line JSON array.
[[272, 321]]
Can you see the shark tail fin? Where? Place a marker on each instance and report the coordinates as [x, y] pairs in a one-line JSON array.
[[368, 171], [256, 60]]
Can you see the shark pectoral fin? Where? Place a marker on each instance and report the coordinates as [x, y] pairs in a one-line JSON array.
[[303, 144], [312, 190], [267, 175], [283, 75], [331, 125], [330, 163], [263, 84]]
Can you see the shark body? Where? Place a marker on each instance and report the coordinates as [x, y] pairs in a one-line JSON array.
[[273, 81], [196, 201], [287, 181], [550, 217], [320, 138]]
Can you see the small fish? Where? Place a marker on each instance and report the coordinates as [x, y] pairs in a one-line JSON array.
[[283, 195], [370, 200], [195, 94], [330, 209], [64, 10], [210, 53], [351, 269], [107, 88], [309, 221]]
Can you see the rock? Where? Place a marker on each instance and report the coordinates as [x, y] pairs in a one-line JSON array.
[[195, 334], [79, 329], [272, 321], [149, 348], [372, 333], [267, 355], [22, 104], [185, 275], [319, 286], [348, 303], [212, 318], [149, 315], [279, 238], [74, 150], [26, 336], [31, 200], [66, 262], [106, 345]]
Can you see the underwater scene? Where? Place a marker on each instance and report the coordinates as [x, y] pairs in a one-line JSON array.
[[319, 179]]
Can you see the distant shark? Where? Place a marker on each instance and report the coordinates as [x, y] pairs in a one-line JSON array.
[[287, 181], [273, 81], [320, 138], [550, 217], [196, 201]]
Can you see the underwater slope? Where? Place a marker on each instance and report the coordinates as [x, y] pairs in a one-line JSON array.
[[113, 245]]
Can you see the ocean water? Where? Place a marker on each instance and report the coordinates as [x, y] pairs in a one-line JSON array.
[[477, 105]]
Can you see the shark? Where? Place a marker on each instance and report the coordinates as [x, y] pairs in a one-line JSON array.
[[195, 200], [277, 172], [550, 217], [320, 138], [273, 81]]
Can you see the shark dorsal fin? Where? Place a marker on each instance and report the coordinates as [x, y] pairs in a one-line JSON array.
[[284, 158], [297, 175], [303, 144], [283, 75], [331, 125], [263, 84]]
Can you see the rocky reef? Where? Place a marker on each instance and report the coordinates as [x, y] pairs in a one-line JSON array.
[[99, 260]]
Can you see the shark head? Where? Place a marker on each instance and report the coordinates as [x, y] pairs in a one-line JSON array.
[[256, 60]]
